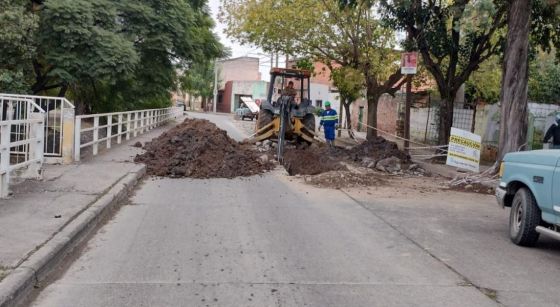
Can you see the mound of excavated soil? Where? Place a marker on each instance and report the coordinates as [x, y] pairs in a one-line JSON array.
[[198, 149], [378, 149], [310, 161]]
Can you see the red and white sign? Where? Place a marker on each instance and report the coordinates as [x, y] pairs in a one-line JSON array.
[[409, 63]]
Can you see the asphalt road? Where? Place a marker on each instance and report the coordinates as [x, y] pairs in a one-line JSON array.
[[273, 241]]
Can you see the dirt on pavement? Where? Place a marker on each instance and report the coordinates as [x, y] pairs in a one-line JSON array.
[[473, 188], [346, 179], [197, 148]]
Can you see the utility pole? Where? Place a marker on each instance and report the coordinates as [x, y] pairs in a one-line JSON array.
[[215, 100]]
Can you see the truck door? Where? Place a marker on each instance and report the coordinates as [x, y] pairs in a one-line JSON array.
[[556, 192]]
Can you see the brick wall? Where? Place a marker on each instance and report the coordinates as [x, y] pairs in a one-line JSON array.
[[386, 113], [225, 105]]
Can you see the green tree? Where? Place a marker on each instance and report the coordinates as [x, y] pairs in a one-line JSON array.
[[544, 79], [350, 84], [453, 39], [105, 54], [347, 34], [79, 41], [198, 81], [17, 47], [484, 84]]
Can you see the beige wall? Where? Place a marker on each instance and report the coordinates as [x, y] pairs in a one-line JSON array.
[[239, 69]]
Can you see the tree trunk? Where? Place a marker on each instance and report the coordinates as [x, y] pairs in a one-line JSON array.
[[348, 118], [63, 90], [342, 103], [446, 116], [514, 112], [372, 101]]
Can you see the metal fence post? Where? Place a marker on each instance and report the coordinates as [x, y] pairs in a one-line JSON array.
[[128, 116], [95, 134], [36, 146], [77, 139], [109, 130], [5, 129], [142, 121], [119, 129], [136, 123]]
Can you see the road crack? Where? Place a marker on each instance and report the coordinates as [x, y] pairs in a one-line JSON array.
[[490, 293]]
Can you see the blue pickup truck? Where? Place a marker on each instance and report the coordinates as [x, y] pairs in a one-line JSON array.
[[530, 185]]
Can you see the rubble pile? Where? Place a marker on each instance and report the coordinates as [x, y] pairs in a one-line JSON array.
[[199, 149]]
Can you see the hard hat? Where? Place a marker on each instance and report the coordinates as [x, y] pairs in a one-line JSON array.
[[327, 103]]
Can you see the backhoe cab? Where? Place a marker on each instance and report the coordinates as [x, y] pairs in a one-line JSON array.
[[287, 114]]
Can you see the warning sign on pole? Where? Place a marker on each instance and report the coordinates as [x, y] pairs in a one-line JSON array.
[[464, 150], [409, 63]]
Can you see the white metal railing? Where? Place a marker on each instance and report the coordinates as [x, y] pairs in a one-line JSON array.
[[95, 129], [58, 110], [22, 124]]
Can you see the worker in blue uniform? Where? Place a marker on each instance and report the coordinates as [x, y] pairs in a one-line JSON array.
[[329, 120]]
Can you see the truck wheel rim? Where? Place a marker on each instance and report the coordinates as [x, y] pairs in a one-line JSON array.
[[518, 218]]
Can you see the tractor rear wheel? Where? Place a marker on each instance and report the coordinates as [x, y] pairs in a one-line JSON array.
[[264, 118]]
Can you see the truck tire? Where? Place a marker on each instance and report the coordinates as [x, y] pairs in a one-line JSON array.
[[524, 218], [264, 118]]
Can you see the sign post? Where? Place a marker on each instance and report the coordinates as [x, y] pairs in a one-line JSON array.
[[409, 63], [409, 68], [464, 150]]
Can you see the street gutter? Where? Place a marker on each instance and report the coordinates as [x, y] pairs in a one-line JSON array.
[[38, 267]]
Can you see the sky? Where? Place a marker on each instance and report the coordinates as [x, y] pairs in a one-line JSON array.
[[237, 49]]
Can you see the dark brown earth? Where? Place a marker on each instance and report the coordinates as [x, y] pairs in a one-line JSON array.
[[318, 160], [311, 161], [199, 149], [378, 149]]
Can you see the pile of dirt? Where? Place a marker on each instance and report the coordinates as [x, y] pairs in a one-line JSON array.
[[344, 179], [311, 161], [378, 149], [198, 149]]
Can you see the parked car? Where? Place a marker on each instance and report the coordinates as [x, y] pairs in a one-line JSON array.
[[530, 185]]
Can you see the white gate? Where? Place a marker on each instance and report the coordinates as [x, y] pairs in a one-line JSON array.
[[58, 111], [22, 124]]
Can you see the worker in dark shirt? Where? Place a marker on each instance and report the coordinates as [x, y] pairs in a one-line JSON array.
[[554, 133]]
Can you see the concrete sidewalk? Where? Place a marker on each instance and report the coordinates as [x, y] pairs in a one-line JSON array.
[[40, 211]]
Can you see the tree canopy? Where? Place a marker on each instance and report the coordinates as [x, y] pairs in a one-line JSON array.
[[453, 39], [105, 54], [348, 34]]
